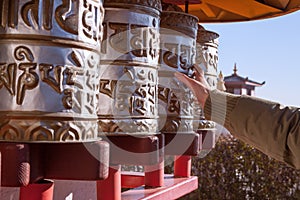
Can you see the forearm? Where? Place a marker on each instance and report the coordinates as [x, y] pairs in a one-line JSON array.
[[271, 128]]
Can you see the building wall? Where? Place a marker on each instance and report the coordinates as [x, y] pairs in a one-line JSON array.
[[237, 91], [244, 91]]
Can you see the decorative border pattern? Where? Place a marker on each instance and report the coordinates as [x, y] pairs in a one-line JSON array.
[[127, 126], [181, 22], [204, 36], [43, 129], [148, 3]]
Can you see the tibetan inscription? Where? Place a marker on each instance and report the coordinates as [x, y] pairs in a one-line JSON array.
[[178, 55], [128, 70], [26, 74], [71, 19], [139, 40], [9, 13], [49, 69]]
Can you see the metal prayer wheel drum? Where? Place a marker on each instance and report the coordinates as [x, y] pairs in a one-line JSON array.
[[129, 62], [207, 55], [207, 58], [178, 51], [49, 70]]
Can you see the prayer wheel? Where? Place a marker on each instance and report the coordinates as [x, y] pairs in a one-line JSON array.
[[129, 68], [49, 70], [207, 58], [207, 55], [178, 52]]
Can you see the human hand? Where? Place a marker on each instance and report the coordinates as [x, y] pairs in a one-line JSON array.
[[199, 85]]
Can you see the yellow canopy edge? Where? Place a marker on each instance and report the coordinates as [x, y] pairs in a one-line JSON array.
[[237, 10]]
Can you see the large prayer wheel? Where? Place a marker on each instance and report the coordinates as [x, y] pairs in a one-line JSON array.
[[129, 67], [49, 70], [178, 52]]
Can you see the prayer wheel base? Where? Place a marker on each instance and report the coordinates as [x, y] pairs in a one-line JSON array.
[[183, 144], [131, 150], [22, 164]]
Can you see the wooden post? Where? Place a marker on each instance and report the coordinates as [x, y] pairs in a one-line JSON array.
[[42, 190], [154, 175], [182, 166], [110, 188]]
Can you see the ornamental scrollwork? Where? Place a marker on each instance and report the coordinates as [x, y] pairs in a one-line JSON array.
[[47, 130], [148, 3]]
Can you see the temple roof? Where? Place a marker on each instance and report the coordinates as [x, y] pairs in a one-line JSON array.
[[235, 79]]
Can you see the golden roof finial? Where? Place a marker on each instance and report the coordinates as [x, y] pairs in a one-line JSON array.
[[235, 69]]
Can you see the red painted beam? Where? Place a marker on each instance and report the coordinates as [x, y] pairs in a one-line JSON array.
[[152, 177], [132, 179], [174, 188]]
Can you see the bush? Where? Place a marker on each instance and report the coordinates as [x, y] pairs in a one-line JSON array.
[[234, 170]]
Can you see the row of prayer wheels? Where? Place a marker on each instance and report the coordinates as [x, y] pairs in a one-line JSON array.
[[73, 71]]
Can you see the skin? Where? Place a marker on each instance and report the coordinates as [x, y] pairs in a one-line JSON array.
[[197, 84]]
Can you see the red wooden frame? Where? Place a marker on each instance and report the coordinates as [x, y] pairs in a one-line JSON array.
[[152, 184]]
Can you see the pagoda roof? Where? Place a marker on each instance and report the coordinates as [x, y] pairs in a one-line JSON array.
[[235, 79]]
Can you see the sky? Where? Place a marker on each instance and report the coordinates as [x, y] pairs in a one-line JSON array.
[[264, 50]]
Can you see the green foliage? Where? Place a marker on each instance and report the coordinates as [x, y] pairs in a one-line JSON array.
[[234, 170]]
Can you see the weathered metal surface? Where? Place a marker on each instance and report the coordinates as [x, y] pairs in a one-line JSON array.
[[207, 55], [49, 68], [178, 52], [207, 59], [129, 61]]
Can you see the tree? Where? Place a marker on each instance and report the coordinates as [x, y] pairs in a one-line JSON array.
[[234, 170]]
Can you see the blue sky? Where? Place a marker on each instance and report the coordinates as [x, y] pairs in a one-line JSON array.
[[264, 50]]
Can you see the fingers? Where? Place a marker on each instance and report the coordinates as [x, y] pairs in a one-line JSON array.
[[198, 70], [198, 73], [200, 91], [185, 79]]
